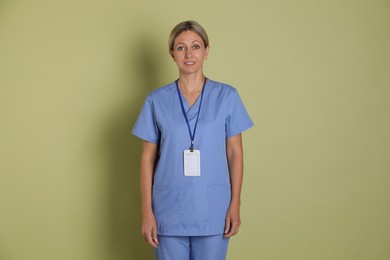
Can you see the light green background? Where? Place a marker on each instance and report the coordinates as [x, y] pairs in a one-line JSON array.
[[314, 75]]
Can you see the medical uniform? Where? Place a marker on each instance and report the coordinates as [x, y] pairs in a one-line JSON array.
[[191, 206]]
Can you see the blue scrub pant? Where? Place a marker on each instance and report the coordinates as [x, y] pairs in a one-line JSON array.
[[192, 247]]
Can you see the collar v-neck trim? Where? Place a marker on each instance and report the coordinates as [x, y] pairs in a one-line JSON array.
[[192, 111]]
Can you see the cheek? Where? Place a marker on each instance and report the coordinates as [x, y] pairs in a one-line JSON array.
[[175, 57], [203, 57], [178, 55]]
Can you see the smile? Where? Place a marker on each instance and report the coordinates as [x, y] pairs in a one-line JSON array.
[[189, 63]]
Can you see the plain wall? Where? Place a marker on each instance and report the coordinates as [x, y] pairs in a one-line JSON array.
[[314, 76]]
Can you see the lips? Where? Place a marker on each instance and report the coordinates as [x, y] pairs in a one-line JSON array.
[[189, 62]]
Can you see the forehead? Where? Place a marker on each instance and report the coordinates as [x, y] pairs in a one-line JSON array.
[[188, 37]]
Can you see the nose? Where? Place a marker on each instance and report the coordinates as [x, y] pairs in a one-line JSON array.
[[188, 53]]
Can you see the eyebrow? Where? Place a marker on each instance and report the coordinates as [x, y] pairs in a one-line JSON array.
[[184, 43]]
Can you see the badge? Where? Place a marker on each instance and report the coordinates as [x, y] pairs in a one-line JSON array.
[[191, 163]]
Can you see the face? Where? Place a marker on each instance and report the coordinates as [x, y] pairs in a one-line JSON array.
[[189, 52]]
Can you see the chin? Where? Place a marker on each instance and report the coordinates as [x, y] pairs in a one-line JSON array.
[[190, 71]]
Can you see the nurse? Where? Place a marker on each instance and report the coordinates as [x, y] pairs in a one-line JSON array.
[[192, 156]]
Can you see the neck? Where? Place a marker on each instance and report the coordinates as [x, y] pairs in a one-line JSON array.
[[191, 83]]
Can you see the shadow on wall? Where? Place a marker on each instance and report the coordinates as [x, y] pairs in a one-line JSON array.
[[124, 153]]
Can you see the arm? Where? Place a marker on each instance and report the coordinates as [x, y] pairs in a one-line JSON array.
[[234, 153], [148, 160]]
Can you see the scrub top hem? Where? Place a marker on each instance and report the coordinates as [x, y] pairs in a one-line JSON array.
[[190, 234]]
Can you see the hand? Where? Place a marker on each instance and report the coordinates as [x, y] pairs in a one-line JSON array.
[[149, 229], [233, 221]]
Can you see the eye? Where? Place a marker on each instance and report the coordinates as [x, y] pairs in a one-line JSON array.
[[196, 47], [180, 48]]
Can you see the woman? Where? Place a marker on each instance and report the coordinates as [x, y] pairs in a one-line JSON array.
[[192, 156]]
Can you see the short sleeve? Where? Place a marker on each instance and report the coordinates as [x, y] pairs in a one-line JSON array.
[[146, 125], [238, 119]]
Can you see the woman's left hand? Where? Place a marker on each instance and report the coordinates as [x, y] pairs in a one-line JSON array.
[[233, 220]]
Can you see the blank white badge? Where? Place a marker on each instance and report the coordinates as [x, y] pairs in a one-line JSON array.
[[191, 163]]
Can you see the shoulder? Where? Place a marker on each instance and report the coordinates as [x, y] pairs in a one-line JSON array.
[[220, 86], [222, 89], [162, 92]]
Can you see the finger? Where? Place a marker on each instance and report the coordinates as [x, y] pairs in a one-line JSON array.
[[228, 228], [149, 238], [151, 241], [227, 225], [230, 233], [155, 237], [233, 230]]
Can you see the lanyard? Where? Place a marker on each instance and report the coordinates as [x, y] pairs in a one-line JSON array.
[[192, 133]]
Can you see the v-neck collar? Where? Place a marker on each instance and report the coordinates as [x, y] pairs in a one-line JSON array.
[[192, 111], [187, 106]]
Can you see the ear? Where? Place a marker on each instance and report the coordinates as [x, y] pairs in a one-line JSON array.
[[171, 54], [207, 51]]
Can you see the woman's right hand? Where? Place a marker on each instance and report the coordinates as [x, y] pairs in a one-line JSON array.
[[149, 228]]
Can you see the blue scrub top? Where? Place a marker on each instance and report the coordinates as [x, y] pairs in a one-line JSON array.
[[191, 205]]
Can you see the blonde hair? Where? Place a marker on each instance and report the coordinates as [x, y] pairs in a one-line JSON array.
[[187, 26]]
